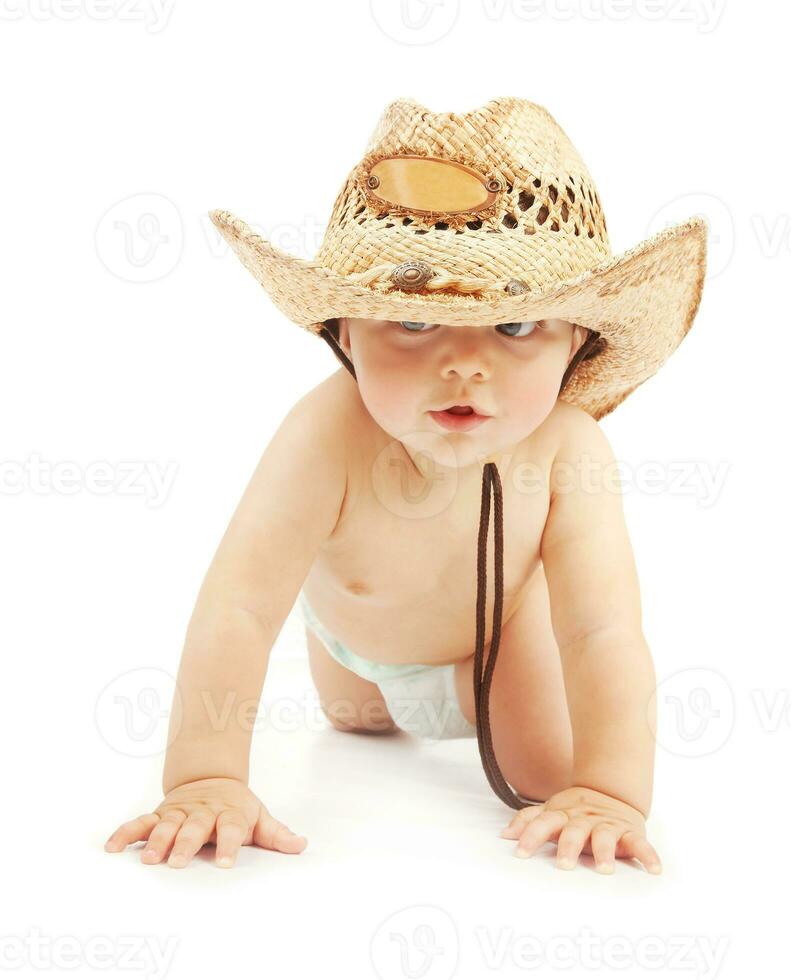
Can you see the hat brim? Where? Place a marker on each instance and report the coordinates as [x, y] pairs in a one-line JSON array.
[[642, 302]]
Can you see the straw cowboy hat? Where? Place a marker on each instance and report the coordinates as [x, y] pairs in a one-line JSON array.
[[485, 217]]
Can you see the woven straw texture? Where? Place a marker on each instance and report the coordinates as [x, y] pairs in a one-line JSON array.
[[543, 227]]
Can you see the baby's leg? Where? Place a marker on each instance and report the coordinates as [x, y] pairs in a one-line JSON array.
[[528, 712], [352, 703]]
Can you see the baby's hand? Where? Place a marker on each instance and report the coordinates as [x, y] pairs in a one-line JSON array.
[[582, 819], [221, 811]]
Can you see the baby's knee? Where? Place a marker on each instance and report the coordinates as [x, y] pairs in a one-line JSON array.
[[371, 717], [388, 728]]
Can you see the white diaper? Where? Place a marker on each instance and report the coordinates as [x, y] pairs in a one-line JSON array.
[[425, 703], [421, 698]]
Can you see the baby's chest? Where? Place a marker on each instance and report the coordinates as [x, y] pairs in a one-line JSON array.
[[427, 552], [399, 584]]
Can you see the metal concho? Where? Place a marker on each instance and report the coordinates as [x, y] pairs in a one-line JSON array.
[[411, 275]]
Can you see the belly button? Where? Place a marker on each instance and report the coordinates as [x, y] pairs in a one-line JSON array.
[[357, 588]]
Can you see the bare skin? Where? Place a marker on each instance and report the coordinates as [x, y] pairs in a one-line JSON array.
[[394, 483]]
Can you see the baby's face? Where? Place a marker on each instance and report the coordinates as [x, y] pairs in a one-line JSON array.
[[511, 373]]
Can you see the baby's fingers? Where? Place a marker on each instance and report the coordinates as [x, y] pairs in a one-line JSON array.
[[162, 836], [573, 837], [634, 845], [520, 820], [603, 842], [276, 836], [539, 831], [232, 830], [131, 832], [194, 833]]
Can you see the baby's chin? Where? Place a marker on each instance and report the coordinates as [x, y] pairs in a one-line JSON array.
[[419, 433], [453, 450]]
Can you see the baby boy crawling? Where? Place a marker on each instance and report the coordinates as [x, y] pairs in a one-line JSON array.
[[370, 496], [364, 505]]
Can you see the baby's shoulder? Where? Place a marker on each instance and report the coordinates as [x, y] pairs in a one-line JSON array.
[[571, 421], [333, 419], [336, 401], [565, 426], [575, 438]]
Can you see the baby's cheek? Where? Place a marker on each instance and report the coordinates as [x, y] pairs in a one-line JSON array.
[[389, 404], [531, 402], [387, 385]]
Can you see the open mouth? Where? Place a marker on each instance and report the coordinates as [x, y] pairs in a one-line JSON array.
[[458, 417]]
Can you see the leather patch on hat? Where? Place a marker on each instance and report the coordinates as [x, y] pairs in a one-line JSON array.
[[429, 185]]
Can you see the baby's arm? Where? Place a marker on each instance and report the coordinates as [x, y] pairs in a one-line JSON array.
[[607, 667], [290, 506], [596, 616]]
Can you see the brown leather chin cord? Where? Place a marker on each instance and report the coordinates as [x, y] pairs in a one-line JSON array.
[[483, 676]]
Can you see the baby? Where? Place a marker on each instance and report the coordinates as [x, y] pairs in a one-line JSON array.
[[364, 510]]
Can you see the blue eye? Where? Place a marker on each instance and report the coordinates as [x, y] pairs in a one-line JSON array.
[[413, 326], [521, 328]]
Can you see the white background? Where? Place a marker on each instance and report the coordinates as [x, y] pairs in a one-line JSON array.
[[176, 360]]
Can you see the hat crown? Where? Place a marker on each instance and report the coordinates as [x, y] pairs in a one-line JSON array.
[[542, 223], [514, 133]]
